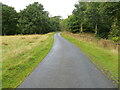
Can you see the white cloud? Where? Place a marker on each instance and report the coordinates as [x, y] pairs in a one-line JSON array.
[[54, 7]]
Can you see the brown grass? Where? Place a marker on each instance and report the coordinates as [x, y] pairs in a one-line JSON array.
[[13, 46], [102, 43]]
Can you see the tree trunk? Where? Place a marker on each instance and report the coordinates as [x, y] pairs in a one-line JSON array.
[[81, 28], [96, 29]]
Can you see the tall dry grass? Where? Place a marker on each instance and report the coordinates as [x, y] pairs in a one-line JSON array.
[[102, 43], [17, 45]]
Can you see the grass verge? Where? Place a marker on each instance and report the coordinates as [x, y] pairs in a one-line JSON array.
[[106, 61], [21, 54]]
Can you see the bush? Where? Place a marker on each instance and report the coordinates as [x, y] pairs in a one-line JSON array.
[[115, 39]]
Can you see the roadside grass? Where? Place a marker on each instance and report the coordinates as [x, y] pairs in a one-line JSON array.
[[105, 60], [21, 54]]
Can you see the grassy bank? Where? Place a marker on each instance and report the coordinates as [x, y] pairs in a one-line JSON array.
[[104, 59], [21, 54]]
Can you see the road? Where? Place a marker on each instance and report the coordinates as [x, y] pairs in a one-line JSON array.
[[66, 66]]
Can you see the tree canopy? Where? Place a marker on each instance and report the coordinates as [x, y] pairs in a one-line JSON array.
[[101, 18], [9, 20], [32, 20]]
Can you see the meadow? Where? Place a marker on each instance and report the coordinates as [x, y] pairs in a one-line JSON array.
[[102, 54], [21, 54]]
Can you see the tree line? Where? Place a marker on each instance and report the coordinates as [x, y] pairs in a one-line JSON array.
[[100, 18], [32, 20]]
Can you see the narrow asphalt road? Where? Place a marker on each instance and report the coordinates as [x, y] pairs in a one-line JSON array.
[[66, 66]]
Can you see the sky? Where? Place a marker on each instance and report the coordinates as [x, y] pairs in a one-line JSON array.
[[62, 8]]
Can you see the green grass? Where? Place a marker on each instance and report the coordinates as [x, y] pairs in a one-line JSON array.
[[21, 54], [103, 59]]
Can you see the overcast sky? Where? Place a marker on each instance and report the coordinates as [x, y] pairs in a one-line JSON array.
[[54, 7]]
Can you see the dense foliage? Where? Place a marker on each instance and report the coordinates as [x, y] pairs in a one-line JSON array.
[[33, 19], [9, 20], [101, 18]]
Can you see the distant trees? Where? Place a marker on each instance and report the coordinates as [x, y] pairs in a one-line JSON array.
[[33, 19], [101, 18], [55, 23]]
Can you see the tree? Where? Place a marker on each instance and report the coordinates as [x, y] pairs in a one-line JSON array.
[[73, 25], [103, 18], [63, 25], [55, 23], [79, 13], [92, 16], [9, 20], [34, 19], [113, 11]]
